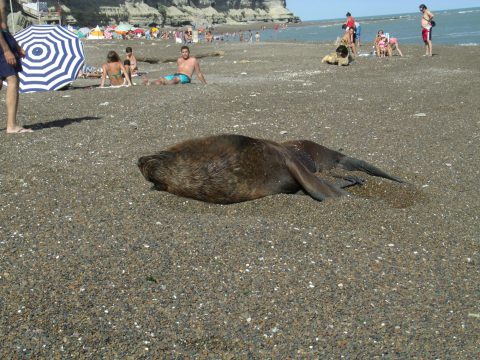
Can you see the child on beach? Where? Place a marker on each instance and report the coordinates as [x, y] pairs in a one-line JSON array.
[[130, 63], [115, 71], [381, 44], [394, 46]]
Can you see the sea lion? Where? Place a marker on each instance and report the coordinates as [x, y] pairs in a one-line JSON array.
[[228, 169]]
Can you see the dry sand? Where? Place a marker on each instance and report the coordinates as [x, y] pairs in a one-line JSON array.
[[93, 264]]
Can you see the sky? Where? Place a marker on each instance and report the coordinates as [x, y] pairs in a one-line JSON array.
[[334, 9]]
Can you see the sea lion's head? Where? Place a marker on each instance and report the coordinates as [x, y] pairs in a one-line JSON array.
[[154, 167]]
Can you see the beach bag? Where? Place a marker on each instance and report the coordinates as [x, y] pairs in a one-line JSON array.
[[433, 23]]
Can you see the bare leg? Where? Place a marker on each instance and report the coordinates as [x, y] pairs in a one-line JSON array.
[[11, 99], [354, 50], [174, 81], [399, 51], [128, 72], [430, 53], [145, 80], [389, 51]]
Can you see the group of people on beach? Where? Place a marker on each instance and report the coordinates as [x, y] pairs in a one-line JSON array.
[[383, 45], [120, 74]]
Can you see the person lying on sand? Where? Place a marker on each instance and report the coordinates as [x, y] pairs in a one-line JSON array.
[[89, 71], [187, 65], [115, 71]]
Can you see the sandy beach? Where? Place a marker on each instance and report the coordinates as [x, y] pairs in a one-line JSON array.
[[94, 264]]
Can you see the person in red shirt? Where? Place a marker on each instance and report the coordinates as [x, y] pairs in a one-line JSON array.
[[350, 33], [350, 21]]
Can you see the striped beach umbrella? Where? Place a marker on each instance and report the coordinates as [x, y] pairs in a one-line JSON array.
[[53, 57]]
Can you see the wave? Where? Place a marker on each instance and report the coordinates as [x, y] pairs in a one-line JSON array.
[[468, 44]]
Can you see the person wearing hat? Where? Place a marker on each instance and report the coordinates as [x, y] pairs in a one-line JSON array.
[[427, 25]]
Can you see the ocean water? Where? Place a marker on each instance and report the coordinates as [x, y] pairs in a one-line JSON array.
[[454, 27]]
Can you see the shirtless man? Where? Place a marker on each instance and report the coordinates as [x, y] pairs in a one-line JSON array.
[[187, 65], [347, 40], [427, 29], [10, 54]]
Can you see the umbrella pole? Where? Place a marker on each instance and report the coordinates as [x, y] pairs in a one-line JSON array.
[[13, 20]]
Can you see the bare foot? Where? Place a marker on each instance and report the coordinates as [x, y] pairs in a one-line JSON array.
[[145, 80], [19, 130], [160, 81]]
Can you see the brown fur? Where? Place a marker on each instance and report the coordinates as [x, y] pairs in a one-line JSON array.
[[234, 168], [335, 59]]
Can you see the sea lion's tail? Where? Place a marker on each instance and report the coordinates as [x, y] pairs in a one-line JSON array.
[[352, 164]]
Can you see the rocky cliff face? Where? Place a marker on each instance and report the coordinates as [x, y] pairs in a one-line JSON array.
[[200, 12], [173, 12]]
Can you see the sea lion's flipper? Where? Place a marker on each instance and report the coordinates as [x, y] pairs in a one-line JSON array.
[[347, 181], [352, 164], [315, 187]]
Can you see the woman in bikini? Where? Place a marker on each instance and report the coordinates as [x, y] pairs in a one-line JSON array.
[[114, 69]]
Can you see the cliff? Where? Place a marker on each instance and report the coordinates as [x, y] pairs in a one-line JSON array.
[[176, 12]]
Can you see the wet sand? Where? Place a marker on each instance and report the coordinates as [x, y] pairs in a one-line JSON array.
[[93, 264]]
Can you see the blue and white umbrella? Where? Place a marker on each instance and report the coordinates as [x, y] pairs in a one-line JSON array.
[[53, 57]]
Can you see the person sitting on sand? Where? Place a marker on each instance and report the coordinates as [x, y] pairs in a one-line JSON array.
[[381, 44], [115, 71], [209, 36], [339, 57], [187, 65], [133, 66]]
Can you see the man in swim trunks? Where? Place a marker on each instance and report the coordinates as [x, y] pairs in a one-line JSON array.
[[187, 66], [10, 54], [426, 29]]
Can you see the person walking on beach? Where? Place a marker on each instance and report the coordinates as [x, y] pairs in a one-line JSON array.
[[10, 54], [187, 66], [250, 37], [427, 25]]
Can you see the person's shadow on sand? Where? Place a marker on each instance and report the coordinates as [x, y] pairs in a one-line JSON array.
[[61, 123]]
